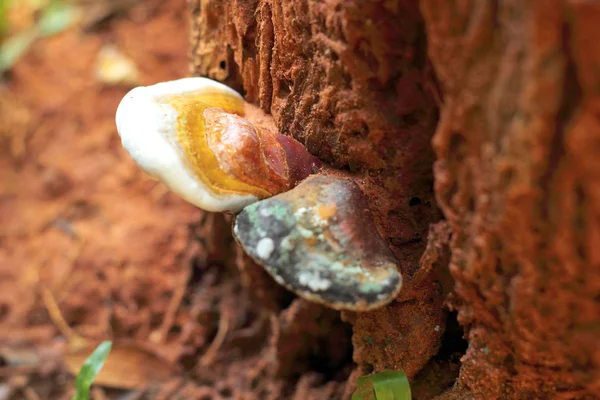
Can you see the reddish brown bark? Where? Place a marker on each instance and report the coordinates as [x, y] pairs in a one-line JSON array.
[[516, 175], [351, 81], [518, 179]]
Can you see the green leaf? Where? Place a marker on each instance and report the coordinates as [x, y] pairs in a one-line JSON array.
[[56, 17], [12, 48], [90, 368], [3, 17], [386, 385]]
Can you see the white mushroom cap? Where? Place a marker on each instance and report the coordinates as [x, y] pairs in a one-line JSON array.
[[146, 123]]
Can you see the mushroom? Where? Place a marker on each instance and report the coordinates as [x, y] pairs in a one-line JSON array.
[[315, 236], [319, 240], [191, 135]]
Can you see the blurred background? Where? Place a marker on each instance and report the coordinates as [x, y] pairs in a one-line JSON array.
[[92, 249]]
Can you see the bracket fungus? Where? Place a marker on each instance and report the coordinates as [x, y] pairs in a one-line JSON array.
[[319, 240], [191, 135]]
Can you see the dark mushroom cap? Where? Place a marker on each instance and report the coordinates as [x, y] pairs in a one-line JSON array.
[[319, 240]]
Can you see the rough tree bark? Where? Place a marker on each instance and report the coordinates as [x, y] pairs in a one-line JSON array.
[[516, 174], [518, 178]]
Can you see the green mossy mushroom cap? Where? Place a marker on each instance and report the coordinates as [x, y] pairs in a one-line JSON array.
[[319, 240]]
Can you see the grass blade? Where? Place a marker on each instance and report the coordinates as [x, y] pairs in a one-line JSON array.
[[12, 48], [56, 17], [3, 17], [386, 385], [91, 367]]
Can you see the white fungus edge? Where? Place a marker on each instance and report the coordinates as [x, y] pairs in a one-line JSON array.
[[143, 122]]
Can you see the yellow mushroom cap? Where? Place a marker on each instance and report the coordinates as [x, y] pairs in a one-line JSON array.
[[191, 134], [154, 125]]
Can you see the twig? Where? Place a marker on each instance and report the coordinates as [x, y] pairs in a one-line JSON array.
[[211, 353], [75, 340], [176, 299]]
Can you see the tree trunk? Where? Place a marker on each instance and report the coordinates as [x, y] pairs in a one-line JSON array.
[[515, 126]]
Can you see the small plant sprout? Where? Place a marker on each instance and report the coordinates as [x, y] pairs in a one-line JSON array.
[[90, 368], [191, 134], [319, 241], [386, 385]]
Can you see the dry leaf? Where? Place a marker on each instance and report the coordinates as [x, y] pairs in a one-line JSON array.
[[114, 68], [128, 366]]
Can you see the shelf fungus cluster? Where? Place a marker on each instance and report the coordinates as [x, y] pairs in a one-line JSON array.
[[315, 235], [319, 240], [191, 135]]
